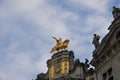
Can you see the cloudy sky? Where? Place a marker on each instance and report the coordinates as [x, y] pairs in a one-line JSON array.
[[26, 27]]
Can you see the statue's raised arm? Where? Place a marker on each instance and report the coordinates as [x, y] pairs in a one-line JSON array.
[[58, 41], [54, 38]]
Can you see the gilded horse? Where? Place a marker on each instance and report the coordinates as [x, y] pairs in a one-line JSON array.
[[60, 45]]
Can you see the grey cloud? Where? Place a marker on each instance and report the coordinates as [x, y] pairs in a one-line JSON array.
[[26, 29]]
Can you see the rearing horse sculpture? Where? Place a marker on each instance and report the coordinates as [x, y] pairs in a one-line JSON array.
[[60, 45]]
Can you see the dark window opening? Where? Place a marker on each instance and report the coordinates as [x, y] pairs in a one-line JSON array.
[[108, 75], [118, 35], [119, 43], [110, 72], [92, 79], [104, 76], [111, 78]]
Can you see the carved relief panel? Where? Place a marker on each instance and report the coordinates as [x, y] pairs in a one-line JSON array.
[[51, 72], [64, 67]]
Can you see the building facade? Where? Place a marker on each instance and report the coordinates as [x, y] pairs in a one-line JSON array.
[[62, 66], [106, 56]]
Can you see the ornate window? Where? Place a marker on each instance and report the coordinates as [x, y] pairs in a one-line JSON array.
[[108, 75]]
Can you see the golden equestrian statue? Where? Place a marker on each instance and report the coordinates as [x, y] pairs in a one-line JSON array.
[[60, 45]]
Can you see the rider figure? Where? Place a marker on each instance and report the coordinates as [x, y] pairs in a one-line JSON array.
[[58, 41]]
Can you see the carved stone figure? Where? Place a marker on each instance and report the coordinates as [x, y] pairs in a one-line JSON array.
[[116, 12], [86, 66], [86, 63], [58, 41], [60, 45], [96, 40]]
